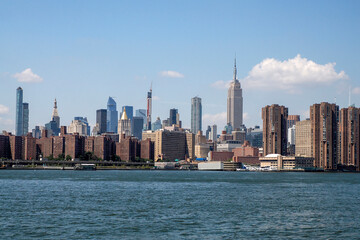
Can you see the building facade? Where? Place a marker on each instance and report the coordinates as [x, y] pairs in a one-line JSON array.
[[170, 145], [79, 125], [25, 119], [213, 133], [275, 129], [324, 119], [101, 115], [137, 127], [292, 120], [303, 138], [349, 134]]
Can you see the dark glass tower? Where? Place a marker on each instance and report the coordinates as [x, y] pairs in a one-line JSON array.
[[101, 120], [172, 117]]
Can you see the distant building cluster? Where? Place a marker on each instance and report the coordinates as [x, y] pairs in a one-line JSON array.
[[328, 140]]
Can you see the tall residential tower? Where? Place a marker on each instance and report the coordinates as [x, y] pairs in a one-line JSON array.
[[196, 115], [235, 103], [275, 129], [324, 119], [149, 108], [19, 127]]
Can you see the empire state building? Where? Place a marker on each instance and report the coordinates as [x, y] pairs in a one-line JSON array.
[[235, 102]]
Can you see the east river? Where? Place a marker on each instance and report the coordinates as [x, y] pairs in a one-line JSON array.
[[47, 204]]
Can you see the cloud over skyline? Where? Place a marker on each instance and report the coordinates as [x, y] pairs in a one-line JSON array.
[[171, 74], [28, 76], [356, 90], [221, 84], [4, 109], [289, 75]]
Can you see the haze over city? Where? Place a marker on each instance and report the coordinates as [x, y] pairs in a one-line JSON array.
[[289, 53]]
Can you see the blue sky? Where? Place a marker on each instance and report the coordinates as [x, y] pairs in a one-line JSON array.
[[294, 53]]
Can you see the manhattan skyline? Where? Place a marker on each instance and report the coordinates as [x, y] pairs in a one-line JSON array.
[[292, 54]]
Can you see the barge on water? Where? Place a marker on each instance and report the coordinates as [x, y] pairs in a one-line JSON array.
[[85, 166]]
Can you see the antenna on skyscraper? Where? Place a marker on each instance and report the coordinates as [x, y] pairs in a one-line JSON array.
[[235, 70], [349, 95]]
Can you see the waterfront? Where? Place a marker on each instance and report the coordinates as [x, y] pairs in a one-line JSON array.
[[178, 204]]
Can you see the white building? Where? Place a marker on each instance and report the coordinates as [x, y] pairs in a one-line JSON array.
[[213, 133], [77, 126], [291, 135]]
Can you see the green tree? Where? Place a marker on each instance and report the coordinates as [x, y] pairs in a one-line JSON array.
[[68, 157], [61, 156]]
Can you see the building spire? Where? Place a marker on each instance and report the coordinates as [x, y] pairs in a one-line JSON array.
[[55, 112], [235, 70], [124, 115]]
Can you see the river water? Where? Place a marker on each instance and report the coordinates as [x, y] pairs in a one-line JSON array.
[[178, 205]]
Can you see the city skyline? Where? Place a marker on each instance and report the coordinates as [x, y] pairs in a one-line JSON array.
[[195, 60]]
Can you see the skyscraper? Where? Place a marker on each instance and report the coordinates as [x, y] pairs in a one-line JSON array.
[[129, 111], [207, 133], [156, 125], [137, 124], [149, 109], [25, 119], [275, 129], [142, 113], [196, 115], [172, 117], [55, 115], [349, 130], [53, 126], [324, 119], [235, 103], [19, 127], [213, 133], [112, 116], [124, 125], [101, 120]]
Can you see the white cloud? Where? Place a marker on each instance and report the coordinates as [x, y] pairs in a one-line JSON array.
[[221, 84], [171, 74], [155, 98], [6, 121], [356, 90], [4, 109], [27, 76], [291, 74], [246, 116], [218, 118]]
